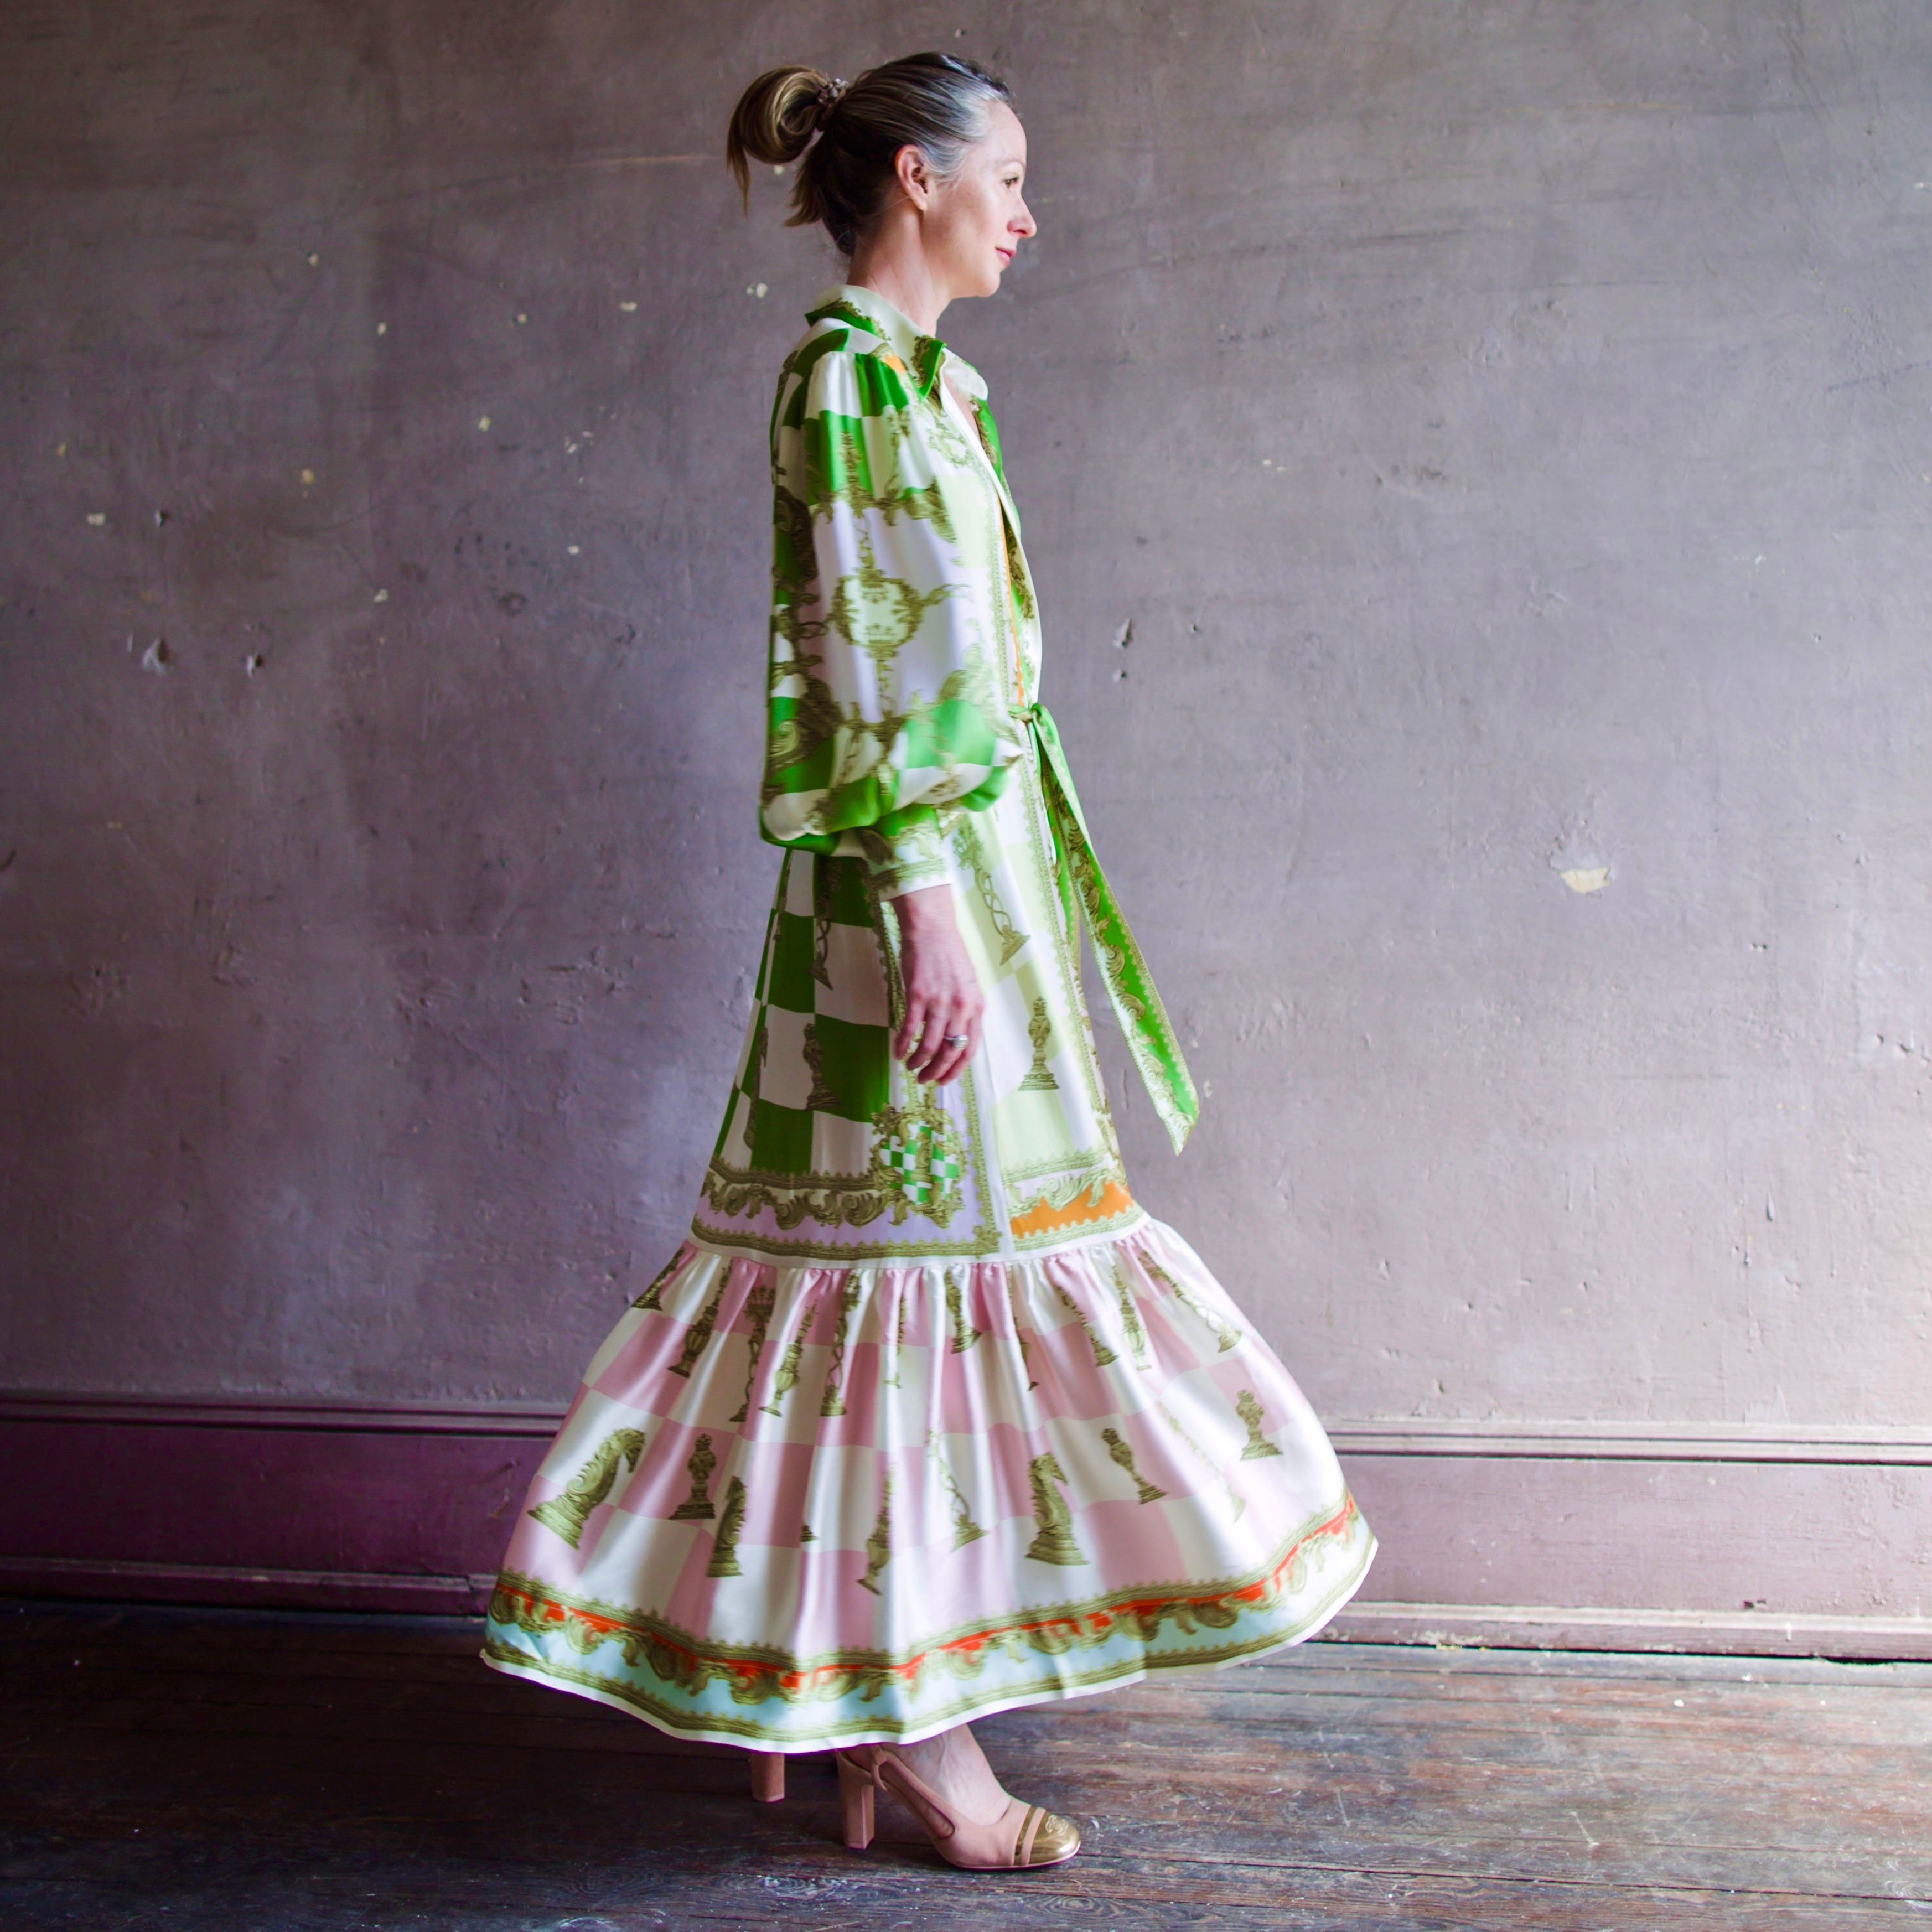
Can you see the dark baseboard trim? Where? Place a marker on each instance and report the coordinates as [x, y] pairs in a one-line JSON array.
[[356, 1506], [1680, 1632], [1757, 1538], [235, 1585], [361, 1418], [1898, 1445], [1438, 1626]]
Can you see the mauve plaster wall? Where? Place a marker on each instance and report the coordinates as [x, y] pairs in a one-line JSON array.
[[1504, 426]]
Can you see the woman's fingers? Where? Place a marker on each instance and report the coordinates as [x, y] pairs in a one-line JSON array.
[[911, 1045], [959, 1039], [943, 1057], [956, 1058], [938, 1039], [925, 1046]]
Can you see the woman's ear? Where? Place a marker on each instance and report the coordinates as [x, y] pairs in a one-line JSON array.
[[915, 178]]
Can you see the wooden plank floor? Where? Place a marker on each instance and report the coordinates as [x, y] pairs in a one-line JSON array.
[[205, 1771]]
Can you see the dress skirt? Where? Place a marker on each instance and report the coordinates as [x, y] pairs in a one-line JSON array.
[[798, 1506]]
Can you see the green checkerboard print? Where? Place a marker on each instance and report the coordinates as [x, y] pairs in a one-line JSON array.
[[822, 963], [926, 1171]]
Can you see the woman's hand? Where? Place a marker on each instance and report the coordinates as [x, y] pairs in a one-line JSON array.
[[943, 997]]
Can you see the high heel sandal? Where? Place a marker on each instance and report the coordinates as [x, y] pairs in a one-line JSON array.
[[767, 1776], [1023, 1835]]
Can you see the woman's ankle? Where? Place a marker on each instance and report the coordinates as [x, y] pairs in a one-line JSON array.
[[954, 1767]]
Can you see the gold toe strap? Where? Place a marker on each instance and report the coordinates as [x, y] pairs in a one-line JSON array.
[[1029, 1826], [1046, 1839]]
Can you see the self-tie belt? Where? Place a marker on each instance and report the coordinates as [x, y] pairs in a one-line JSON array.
[[1130, 985]]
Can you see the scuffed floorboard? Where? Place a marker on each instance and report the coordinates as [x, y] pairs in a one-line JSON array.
[[185, 1770]]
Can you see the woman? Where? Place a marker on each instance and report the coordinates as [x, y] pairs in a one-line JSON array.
[[927, 1419]]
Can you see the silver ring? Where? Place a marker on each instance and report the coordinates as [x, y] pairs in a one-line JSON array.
[[955, 1039]]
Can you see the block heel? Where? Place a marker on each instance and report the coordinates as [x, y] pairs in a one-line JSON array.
[[767, 1776], [855, 1797]]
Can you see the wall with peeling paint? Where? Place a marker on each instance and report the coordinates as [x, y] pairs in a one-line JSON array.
[[1503, 427]]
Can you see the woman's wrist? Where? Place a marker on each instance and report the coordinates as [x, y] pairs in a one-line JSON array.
[[925, 913]]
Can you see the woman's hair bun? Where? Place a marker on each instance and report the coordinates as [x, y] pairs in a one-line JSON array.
[[776, 117]]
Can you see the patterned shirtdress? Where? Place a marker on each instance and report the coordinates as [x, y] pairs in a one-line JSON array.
[[926, 1418]]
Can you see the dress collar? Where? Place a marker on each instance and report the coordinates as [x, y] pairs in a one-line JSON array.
[[924, 357]]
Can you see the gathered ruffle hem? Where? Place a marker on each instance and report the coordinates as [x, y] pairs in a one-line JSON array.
[[793, 1507]]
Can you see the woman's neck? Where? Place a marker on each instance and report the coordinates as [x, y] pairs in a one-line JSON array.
[[892, 262]]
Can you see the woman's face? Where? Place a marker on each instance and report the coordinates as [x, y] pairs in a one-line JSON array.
[[975, 222]]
